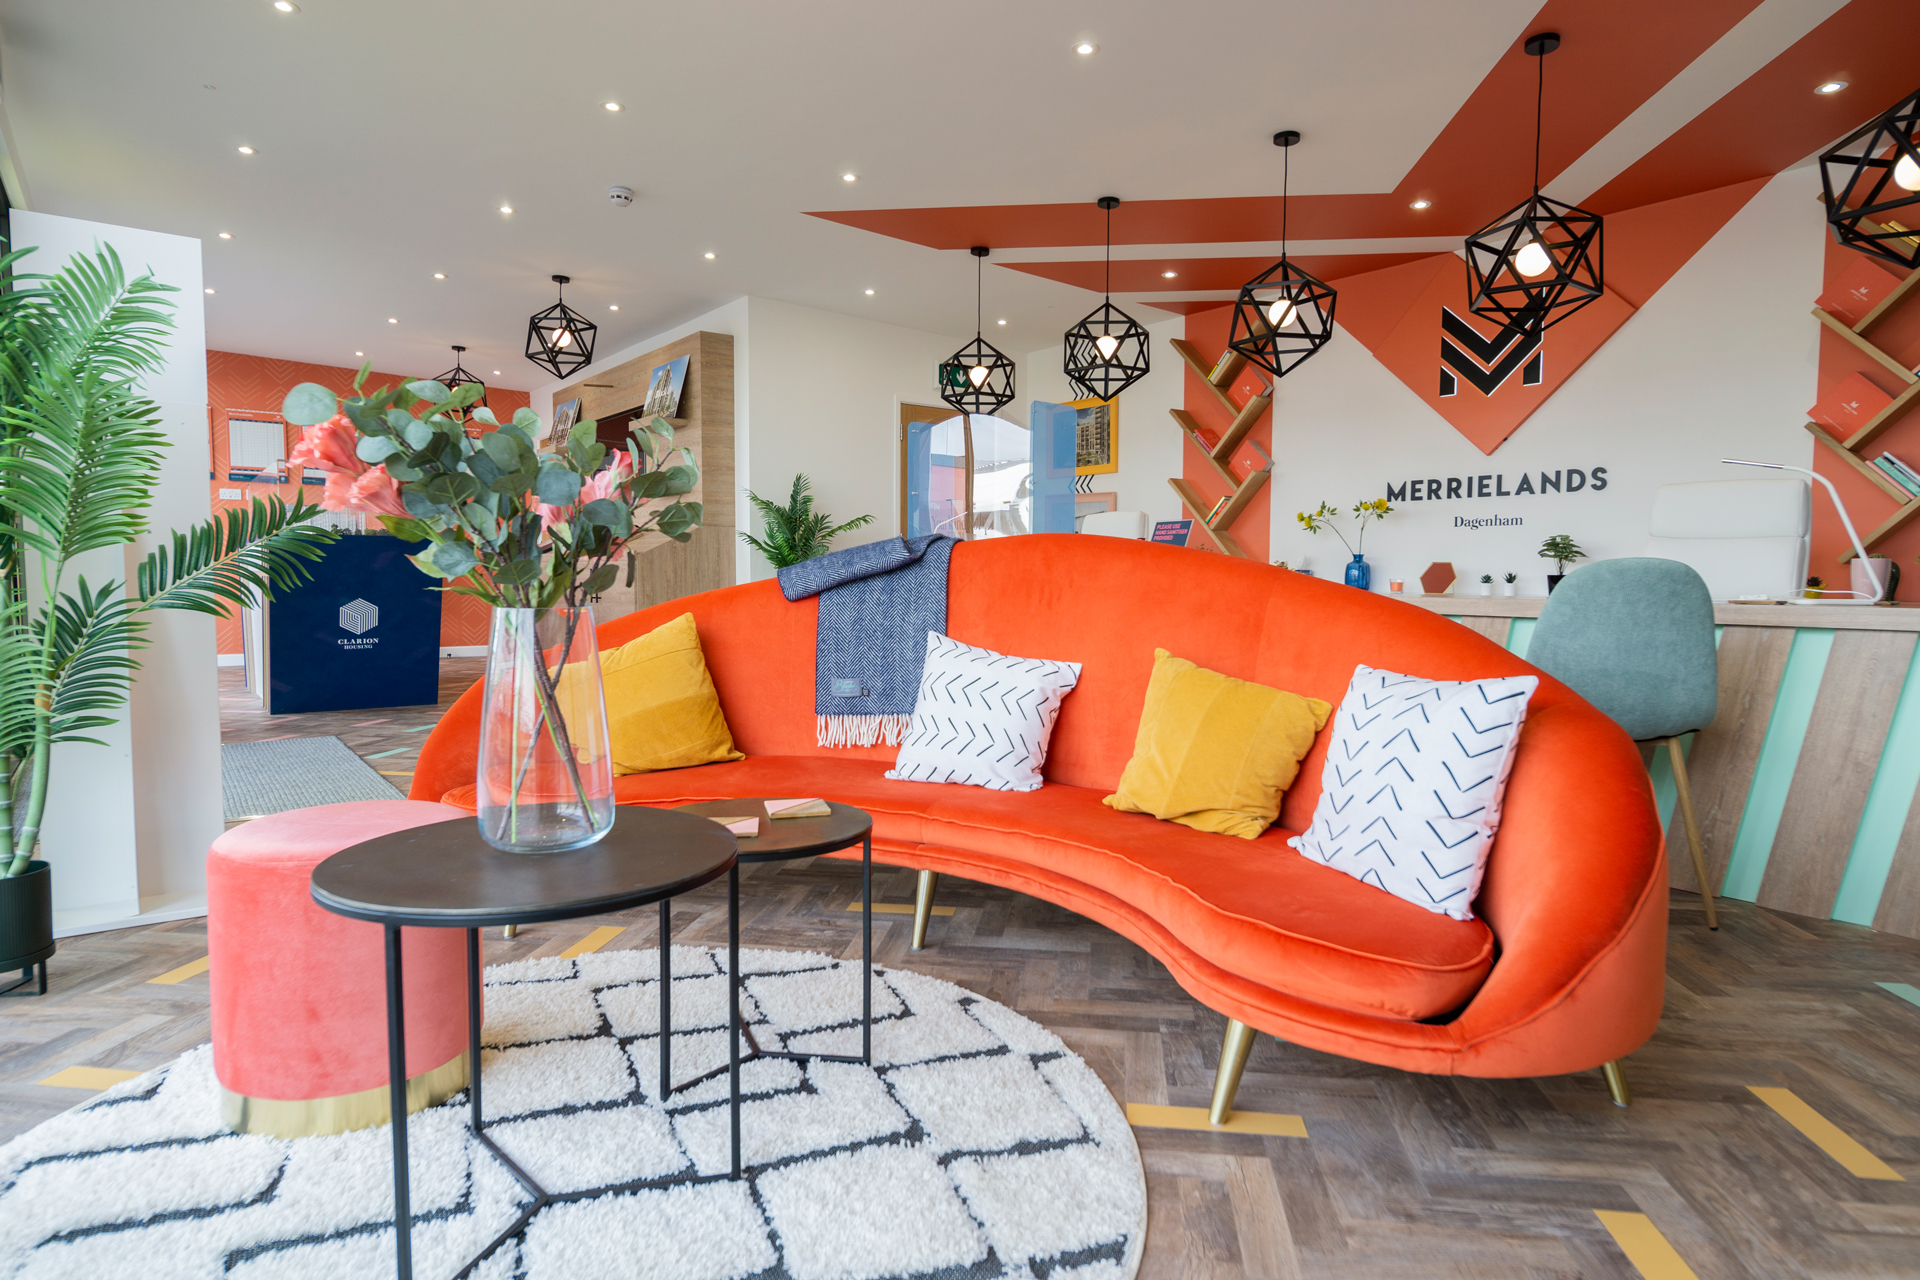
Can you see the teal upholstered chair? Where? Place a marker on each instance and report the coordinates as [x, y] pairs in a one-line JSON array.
[[1635, 638]]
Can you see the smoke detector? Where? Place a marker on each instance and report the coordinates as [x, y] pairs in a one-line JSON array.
[[621, 196]]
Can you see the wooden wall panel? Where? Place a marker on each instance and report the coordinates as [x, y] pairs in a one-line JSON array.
[[1899, 910], [1858, 692], [1752, 660], [1494, 629]]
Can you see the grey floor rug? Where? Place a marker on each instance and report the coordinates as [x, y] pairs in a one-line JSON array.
[[977, 1147], [258, 778]]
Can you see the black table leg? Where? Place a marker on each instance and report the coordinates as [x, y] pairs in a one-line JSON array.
[[666, 1000], [473, 1026], [733, 1000], [866, 950], [397, 1108]]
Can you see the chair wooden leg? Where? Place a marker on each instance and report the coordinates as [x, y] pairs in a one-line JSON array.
[[1233, 1060], [1693, 829], [923, 907], [1616, 1079]]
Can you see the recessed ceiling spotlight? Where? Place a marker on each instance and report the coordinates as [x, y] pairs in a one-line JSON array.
[[226, 235], [1831, 86], [361, 354], [286, 6], [709, 255], [209, 291], [496, 373], [613, 306], [1003, 322], [1421, 204], [1086, 49], [849, 177], [506, 208], [869, 293], [439, 275], [611, 106], [1168, 275], [246, 151], [392, 320]]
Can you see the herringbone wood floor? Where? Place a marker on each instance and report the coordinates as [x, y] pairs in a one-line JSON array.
[[1400, 1176]]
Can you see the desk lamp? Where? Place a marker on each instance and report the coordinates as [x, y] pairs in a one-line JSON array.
[[1879, 587]]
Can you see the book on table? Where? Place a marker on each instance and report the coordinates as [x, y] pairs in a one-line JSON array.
[[811, 808]]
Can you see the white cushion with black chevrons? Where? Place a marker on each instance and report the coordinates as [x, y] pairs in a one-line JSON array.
[[982, 718]]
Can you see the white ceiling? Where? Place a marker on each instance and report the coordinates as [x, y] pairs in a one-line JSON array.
[[388, 133]]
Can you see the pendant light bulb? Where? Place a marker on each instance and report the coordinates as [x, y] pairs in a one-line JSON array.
[[1907, 173], [1532, 260], [1281, 312], [1106, 344], [977, 375], [563, 338]]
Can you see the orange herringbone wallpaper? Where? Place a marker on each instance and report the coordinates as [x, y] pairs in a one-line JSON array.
[[253, 387]]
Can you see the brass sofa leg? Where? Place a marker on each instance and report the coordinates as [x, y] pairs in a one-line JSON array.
[[1233, 1060], [1616, 1079], [923, 907], [1685, 794], [509, 930]]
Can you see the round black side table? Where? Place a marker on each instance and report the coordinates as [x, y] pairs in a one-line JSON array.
[[781, 840], [445, 876]]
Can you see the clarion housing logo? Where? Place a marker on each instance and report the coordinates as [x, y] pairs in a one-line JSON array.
[[359, 616]]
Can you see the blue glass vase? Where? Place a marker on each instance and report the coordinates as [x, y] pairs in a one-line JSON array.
[[1359, 573]]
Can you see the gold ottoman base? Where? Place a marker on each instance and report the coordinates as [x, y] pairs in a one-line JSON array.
[[312, 1117]]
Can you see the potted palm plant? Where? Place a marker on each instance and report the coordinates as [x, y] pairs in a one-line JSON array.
[[795, 532], [1563, 551], [80, 450]]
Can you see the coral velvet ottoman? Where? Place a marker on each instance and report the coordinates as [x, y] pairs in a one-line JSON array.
[[299, 994]]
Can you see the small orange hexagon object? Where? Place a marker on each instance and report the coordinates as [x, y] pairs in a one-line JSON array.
[[1437, 579]]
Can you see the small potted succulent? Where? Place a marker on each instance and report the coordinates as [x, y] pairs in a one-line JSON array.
[[1486, 584], [1508, 588], [1563, 551], [1814, 588]]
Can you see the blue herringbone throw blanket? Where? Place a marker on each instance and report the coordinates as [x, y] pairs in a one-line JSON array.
[[877, 603]]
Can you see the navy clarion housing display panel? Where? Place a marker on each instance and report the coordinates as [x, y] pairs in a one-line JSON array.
[[365, 632]]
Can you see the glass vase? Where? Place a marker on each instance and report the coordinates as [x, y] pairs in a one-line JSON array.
[[1359, 573], [545, 773]]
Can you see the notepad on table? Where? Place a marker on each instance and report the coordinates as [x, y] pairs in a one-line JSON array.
[[743, 827], [814, 808]]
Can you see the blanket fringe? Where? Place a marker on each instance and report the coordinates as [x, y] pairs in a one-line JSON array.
[[860, 731]]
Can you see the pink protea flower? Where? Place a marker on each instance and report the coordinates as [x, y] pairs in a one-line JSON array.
[[606, 482], [376, 493], [338, 495], [329, 446]]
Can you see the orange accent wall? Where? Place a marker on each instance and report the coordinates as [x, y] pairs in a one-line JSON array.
[[250, 386], [1207, 331], [1899, 336]]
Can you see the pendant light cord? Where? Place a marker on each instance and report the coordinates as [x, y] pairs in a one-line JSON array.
[[1286, 173], [1109, 253], [1539, 98], [979, 312]]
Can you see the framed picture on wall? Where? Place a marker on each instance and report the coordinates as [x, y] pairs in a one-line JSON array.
[[1097, 436], [565, 414], [663, 389]]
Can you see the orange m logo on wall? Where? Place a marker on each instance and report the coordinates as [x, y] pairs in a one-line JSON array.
[[1485, 380]]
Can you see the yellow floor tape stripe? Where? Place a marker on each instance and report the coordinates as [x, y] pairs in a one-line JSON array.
[[1826, 1135], [93, 1078], [593, 942], [185, 971], [898, 909], [1645, 1247], [1273, 1126]]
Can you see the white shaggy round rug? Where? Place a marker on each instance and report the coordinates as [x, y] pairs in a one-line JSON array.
[[976, 1146]]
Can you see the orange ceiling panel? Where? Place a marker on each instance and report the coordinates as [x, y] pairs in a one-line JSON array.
[[1147, 275]]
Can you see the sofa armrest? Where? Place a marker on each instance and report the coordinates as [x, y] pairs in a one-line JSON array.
[[451, 752], [1577, 858]]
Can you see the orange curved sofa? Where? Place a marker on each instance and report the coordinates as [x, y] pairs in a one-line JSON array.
[[1562, 972]]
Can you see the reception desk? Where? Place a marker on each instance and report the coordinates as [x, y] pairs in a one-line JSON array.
[[1805, 783]]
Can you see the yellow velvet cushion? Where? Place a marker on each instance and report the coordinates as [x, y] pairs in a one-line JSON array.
[[662, 710], [1214, 753]]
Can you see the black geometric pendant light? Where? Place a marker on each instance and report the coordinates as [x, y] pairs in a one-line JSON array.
[[1872, 182], [456, 377], [978, 378], [1283, 315], [1535, 265], [560, 339], [1107, 351]]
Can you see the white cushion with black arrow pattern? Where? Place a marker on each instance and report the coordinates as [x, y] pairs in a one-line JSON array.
[[982, 718]]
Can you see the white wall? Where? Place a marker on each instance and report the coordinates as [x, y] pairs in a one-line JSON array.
[[1150, 443], [128, 824], [1721, 362]]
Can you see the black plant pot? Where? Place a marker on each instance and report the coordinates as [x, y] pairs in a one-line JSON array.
[[26, 921], [1553, 580]]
